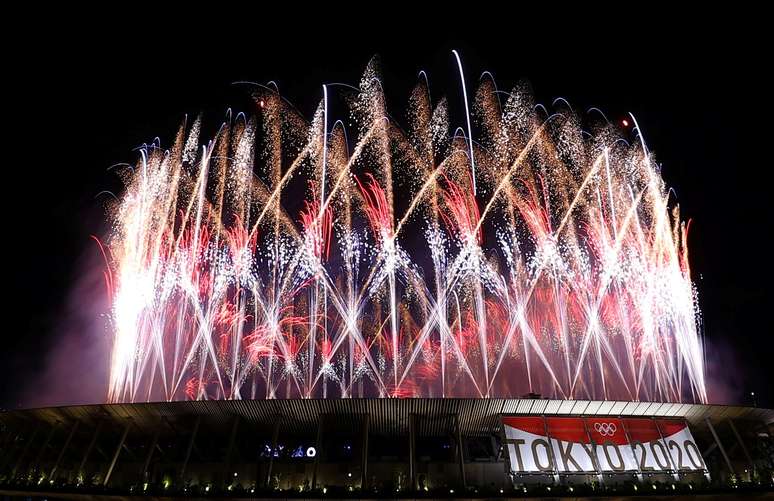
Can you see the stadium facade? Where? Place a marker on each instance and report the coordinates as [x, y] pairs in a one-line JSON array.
[[384, 447]]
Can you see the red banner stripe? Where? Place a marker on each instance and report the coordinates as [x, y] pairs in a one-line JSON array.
[[670, 426], [603, 430], [530, 424], [567, 429], [641, 429]]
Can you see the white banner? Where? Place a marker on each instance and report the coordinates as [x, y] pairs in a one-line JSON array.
[[599, 444]]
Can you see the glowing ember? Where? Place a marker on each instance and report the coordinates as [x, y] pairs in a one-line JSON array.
[[534, 256]]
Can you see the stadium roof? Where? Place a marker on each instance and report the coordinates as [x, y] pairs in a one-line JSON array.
[[386, 416]]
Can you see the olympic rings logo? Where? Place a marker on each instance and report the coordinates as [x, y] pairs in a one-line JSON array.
[[606, 429]]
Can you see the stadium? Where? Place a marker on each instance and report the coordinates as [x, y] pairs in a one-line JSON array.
[[385, 448], [349, 308]]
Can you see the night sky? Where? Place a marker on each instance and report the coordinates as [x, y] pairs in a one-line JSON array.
[[86, 98]]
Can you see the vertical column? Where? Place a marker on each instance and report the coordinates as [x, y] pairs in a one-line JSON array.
[[744, 448], [36, 464], [228, 478], [364, 453], [318, 445], [93, 441], [460, 452], [274, 438], [593, 446], [720, 445], [24, 451], [676, 473], [552, 459], [62, 452], [149, 457], [190, 448], [10, 447], [115, 454], [634, 454], [412, 453]]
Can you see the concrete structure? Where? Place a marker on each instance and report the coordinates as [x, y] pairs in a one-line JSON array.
[[379, 447]]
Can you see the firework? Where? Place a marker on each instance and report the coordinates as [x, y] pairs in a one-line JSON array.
[[533, 252]]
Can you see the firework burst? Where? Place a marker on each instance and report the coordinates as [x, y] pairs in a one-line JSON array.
[[301, 259]]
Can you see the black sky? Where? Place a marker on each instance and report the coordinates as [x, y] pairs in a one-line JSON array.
[[82, 99]]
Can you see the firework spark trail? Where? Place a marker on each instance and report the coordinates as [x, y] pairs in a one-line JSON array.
[[280, 258]]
